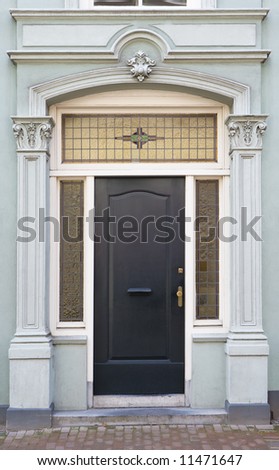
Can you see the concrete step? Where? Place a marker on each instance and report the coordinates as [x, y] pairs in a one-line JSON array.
[[138, 416]]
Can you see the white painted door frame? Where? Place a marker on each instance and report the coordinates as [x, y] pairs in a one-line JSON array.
[[159, 102]]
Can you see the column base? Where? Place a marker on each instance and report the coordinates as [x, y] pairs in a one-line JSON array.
[[31, 373], [248, 413], [25, 419], [247, 362]]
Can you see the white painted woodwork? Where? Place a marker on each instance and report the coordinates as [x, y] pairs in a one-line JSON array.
[[31, 351], [247, 348]]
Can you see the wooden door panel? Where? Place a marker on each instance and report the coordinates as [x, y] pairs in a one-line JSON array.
[[139, 329]]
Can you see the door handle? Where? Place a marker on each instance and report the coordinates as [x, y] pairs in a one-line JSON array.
[[179, 295]]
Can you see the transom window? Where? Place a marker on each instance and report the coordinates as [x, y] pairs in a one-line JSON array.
[[139, 138], [148, 3], [164, 3]]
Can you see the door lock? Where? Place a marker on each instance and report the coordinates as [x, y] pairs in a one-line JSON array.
[[179, 295]]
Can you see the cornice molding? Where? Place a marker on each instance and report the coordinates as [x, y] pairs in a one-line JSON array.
[[259, 56], [33, 134], [246, 132], [243, 13]]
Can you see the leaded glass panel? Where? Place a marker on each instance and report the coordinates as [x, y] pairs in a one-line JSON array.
[[126, 138], [71, 251], [207, 250]]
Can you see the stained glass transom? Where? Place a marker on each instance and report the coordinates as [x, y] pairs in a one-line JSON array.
[[139, 138]]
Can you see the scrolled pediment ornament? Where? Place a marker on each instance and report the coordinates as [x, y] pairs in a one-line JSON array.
[[141, 66], [246, 133]]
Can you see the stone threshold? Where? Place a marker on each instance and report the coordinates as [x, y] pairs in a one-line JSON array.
[[139, 416]]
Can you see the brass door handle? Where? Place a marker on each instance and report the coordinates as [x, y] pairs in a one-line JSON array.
[[179, 295]]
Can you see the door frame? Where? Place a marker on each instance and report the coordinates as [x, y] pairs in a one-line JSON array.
[[191, 171], [163, 192]]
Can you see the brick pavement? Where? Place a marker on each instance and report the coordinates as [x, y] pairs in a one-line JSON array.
[[181, 437]]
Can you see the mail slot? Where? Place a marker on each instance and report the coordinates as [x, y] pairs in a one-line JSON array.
[[139, 291]]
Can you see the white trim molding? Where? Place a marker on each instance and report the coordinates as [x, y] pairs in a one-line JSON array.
[[192, 4], [247, 56], [31, 351], [246, 138], [237, 93], [178, 12], [134, 101], [208, 3], [247, 348]]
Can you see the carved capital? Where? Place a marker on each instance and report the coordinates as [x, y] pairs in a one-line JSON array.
[[246, 132], [141, 66], [33, 134]]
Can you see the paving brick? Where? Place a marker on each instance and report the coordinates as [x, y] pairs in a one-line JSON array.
[[65, 430], [205, 437]]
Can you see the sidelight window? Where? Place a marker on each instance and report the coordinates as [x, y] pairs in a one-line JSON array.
[[207, 250], [71, 251]]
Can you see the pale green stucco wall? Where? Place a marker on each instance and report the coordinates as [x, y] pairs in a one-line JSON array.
[[70, 376], [8, 195], [239, 3], [42, 4], [270, 192], [208, 387]]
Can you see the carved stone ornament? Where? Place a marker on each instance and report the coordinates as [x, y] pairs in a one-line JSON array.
[[141, 66], [246, 132], [33, 134]]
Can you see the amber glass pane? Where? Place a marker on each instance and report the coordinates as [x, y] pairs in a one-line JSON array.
[[124, 138], [71, 251], [207, 250]]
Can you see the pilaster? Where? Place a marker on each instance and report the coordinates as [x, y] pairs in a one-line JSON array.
[[30, 351], [246, 348]]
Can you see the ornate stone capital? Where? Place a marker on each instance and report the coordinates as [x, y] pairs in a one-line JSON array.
[[141, 66], [246, 132], [33, 133]]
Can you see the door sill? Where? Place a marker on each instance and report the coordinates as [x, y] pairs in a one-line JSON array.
[[132, 401]]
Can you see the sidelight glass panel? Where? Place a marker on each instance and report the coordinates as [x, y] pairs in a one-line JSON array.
[[71, 251], [207, 250], [124, 138]]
